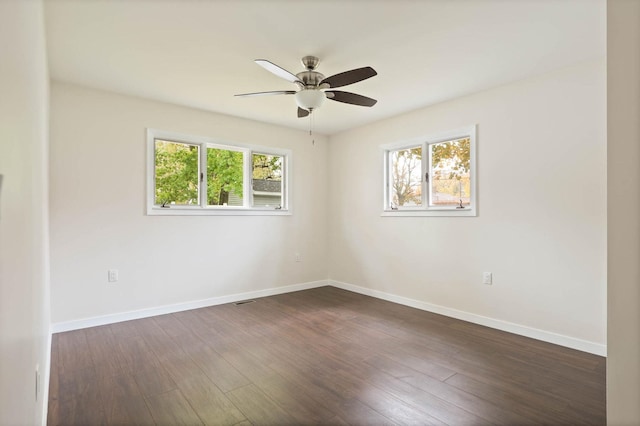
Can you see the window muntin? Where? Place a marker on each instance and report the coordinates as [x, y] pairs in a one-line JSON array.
[[197, 175], [431, 176]]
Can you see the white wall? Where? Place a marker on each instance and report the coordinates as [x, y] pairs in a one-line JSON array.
[[98, 204], [623, 157], [541, 227], [24, 304]]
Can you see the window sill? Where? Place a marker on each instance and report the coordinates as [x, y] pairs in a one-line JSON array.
[[186, 211], [468, 212]]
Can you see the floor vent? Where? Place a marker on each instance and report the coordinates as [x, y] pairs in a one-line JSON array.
[[243, 302]]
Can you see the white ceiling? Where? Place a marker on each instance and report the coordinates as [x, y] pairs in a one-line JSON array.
[[200, 53]]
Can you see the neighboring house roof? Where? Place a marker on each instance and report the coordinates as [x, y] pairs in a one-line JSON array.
[[267, 185]]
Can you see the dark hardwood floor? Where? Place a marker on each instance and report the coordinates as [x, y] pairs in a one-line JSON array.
[[322, 356]]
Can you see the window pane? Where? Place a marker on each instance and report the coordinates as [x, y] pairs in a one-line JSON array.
[[267, 180], [176, 173], [224, 177], [406, 177], [449, 175]]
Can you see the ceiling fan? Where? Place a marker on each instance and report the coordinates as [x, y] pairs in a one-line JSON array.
[[313, 86]]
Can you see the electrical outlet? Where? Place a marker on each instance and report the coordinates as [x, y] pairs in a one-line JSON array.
[[487, 278], [112, 275]]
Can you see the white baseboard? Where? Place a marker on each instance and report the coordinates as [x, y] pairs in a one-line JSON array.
[[546, 336], [534, 333], [179, 307]]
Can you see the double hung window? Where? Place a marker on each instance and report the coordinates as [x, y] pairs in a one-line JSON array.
[[200, 176], [431, 176]]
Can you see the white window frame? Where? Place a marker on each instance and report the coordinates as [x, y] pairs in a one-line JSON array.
[[202, 209], [425, 142]]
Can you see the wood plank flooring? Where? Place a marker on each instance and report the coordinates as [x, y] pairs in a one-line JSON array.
[[323, 356]]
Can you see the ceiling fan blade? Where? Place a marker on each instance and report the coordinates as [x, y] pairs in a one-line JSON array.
[[275, 92], [350, 98], [279, 71], [302, 112], [349, 77]]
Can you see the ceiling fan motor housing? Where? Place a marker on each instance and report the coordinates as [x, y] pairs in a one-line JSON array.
[[310, 78]]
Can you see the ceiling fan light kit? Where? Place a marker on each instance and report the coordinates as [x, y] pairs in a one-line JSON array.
[[313, 85], [310, 99]]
